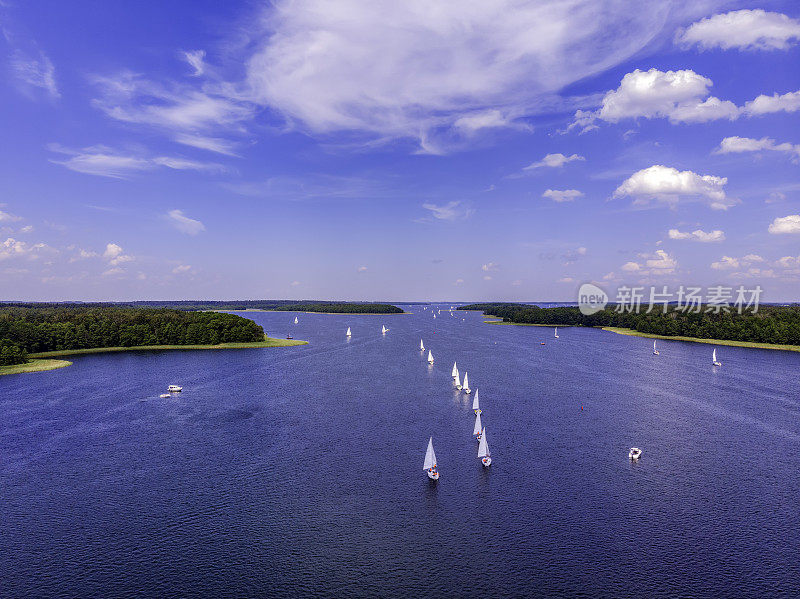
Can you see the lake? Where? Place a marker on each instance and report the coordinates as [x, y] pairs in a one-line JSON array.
[[298, 471]]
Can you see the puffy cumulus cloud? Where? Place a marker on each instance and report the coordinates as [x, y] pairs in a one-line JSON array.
[[785, 224], [478, 64], [115, 255], [554, 161], [698, 235], [562, 195], [12, 248], [742, 29], [111, 272], [737, 145], [106, 162], [182, 269], [490, 266], [789, 262], [450, 211], [8, 218], [732, 263], [184, 224], [630, 267], [671, 186], [659, 263], [763, 104]]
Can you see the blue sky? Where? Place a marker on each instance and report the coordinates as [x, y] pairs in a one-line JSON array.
[[397, 150]]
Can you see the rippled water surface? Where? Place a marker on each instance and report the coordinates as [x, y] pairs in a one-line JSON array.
[[298, 471]]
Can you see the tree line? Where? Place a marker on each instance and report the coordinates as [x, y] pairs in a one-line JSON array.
[[280, 305], [771, 324], [27, 330]]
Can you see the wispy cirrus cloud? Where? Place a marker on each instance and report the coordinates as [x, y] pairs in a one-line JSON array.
[[184, 224], [451, 211], [35, 73], [714, 236]]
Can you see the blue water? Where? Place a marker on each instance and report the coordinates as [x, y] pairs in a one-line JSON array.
[[298, 471]]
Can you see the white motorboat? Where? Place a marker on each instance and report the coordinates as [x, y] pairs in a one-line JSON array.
[[635, 453], [430, 462], [483, 450], [165, 395], [174, 389]]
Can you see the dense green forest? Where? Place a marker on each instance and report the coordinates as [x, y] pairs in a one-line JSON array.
[[282, 305], [26, 330], [771, 324]]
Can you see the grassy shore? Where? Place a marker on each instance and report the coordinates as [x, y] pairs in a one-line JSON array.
[[34, 366], [633, 333]]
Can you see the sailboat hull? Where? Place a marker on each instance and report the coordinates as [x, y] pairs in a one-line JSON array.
[[478, 412], [433, 475], [467, 391], [487, 461]]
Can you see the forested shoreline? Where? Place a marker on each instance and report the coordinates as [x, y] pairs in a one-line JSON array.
[[54, 327], [771, 324], [190, 305]]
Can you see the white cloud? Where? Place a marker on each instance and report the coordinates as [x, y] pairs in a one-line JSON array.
[[182, 269], [785, 224], [196, 61], [450, 211], [12, 248], [35, 73], [743, 30], [459, 282], [735, 145], [212, 144], [106, 162], [657, 264], [490, 266], [554, 161], [113, 272], [788, 262], [294, 283], [184, 224], [563, 195], [670, 186], [115, 256], [9, 218], [788, 102], [631, 267], [566, 280], [361, 269], [698, 235], [473, 63], [731, 263]]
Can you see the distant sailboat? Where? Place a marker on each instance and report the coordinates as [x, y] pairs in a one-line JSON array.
[[434, 315], [454, 373], [457, 382], [556, 332], [483, 450], [430, 462], [714, 358], [295, 319], [348, 333], [476, 406], [476, 431], [466, 383], [421, 345], [430, 357], [384, 329], [655, 351]]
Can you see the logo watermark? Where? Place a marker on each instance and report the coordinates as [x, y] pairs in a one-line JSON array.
[[692, 300]]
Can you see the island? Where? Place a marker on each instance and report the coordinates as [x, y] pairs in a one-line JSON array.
[[771, 327], [32, 336]]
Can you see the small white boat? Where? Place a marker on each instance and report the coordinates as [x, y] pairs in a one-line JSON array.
[[655, 351], [434, 315], [476, 431], [384, 329], [454, 373], [714, 360], [556, 332], [635, 453], [430, 357], [295, 319], [348, 333], [483, 450], [466, 383], [457, 382], [174, 389], [421, 345], [430, 462], [476, 406], [165, 395]]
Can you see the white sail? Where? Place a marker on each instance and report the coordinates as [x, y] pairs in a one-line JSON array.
[[475, 404], [421, 345], [295, 319], [556, 333], [654, 345], [430, 456], [348, 332], [483, 446], [384, 329], [714, 355], [478, 427], [466, 380], [430, 357], [434, 315], [454, 374], [457, 381]]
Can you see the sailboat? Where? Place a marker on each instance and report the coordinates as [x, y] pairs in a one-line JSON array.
[[556, 332], [655, 351], [483, 450], [454, 373], [457, 382], [383, 329], [714, 358], [466, 383], [348, 333], [430, 462], [476, 406], [295, 319], [434, 315], [478, 427], [430, 357], [421, 345]]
